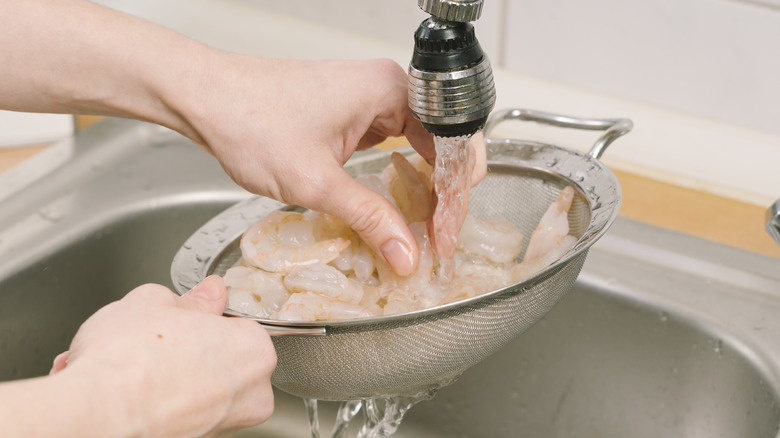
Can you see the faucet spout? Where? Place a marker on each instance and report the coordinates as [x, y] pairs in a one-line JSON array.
[[451, 87]]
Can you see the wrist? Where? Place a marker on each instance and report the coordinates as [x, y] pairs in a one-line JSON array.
[[105, 401]]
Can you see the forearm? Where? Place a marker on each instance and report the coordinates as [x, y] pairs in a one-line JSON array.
[[68, 404], [73, 56]]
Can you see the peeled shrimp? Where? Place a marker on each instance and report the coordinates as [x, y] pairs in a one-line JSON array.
[[410, 189], [285, 239], [550, 240], [473, 278], [496, 239], [311, 306], [324, 280], [553, 226], [254, 291], [418, 290], [313, 267]]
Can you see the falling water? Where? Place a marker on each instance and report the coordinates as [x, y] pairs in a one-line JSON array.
[[381, 415], [451, 183]]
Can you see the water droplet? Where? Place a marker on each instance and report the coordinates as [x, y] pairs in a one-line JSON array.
[[663, 316], [719, 347], [51, 214]]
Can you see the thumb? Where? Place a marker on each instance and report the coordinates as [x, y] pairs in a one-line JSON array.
[[209, 295], [374, 218]]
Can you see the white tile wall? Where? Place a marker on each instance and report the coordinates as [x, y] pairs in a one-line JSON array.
[[393, 21], [716, 58]]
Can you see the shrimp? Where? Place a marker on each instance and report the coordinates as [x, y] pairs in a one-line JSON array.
[[285, 239], [551, 239], [311, 306], [416, 291], [324, 280], [473, 277], [495, 239], [254, 291], [553, 227], [410, 189]]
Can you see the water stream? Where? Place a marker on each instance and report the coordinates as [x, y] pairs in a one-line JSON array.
[[451, 183], [381, 416]]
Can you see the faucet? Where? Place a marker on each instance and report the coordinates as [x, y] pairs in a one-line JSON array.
[[451, 88]]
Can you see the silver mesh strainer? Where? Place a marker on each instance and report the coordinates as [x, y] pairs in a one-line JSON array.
[[405, 354]]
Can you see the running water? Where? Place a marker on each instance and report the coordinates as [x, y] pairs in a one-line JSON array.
[[451, 184], [381, 415]]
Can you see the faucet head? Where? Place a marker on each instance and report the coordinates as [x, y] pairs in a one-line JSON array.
[[453, 10], [451, 88]]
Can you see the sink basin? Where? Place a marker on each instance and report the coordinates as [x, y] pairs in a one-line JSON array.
[[662, 335]]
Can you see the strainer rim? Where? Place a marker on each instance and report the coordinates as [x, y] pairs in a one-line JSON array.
[[584, 242]]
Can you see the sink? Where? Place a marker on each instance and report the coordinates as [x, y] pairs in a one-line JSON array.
[[663, 334]]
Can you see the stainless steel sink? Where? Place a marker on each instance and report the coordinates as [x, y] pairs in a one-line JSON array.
[[664, 335]]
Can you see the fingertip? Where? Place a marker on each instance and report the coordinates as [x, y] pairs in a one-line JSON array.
[[420, 139], [210, 294], [376, 220], [59, 363], [478, 149], [399, 256]]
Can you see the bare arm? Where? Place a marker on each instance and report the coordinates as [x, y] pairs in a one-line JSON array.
[[280, 128], [151, 364]]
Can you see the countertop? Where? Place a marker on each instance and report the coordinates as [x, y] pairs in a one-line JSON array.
[[712, 217]]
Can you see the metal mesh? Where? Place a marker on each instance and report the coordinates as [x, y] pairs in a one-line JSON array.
[[405, 354], [406, 359]]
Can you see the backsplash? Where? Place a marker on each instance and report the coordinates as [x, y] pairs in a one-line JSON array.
[[716, 58]]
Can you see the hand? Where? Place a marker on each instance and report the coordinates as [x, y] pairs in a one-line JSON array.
[[177, 366], [284, 129], [280, 128]]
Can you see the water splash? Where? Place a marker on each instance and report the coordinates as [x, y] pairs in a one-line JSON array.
[[381, 415]]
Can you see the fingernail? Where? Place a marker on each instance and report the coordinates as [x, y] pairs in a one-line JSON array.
[[206, 289], [399, 256]]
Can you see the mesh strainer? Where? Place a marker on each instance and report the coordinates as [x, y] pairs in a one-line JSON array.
[[405, 354]]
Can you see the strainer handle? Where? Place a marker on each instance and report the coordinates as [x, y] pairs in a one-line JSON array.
[[281, 330], [773, 221], [614, 127]]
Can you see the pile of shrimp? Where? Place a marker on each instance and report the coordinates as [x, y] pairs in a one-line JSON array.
[[312, 267]]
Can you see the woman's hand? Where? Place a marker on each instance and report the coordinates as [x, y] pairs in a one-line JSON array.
[[285, 128], [174, 366]]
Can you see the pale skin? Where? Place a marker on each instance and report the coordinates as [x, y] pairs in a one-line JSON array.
[[137, 367]]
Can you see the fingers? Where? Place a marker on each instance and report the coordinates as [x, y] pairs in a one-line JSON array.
[[420, 139], [209, 295], [375, 219], [60, 362], [479, 158]]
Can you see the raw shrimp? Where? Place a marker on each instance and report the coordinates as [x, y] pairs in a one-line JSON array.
[[473, 277], [311, 306], [254, 291], [416, 291], [496, 239], [319, 269], [285, 239], [324, 280], [410, 189], [553, 227], [551, 239]]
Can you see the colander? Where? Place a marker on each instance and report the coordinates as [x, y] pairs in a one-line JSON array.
[[402, 355]]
